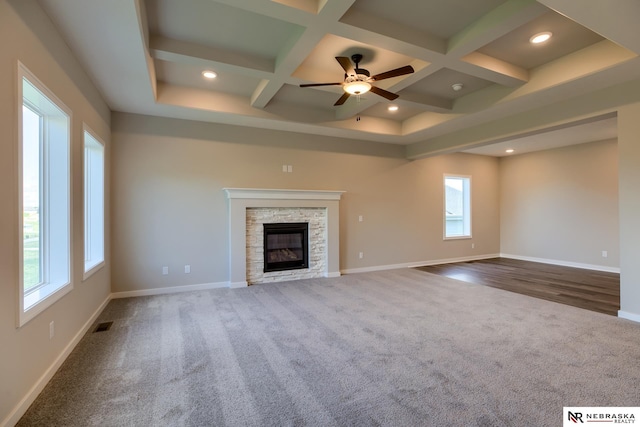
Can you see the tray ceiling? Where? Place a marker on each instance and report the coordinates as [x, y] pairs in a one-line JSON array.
[[147, 56]]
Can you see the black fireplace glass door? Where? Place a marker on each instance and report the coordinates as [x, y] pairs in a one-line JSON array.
[[286, 246]]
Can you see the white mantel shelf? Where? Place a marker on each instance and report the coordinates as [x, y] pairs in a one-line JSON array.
[[278, 194]]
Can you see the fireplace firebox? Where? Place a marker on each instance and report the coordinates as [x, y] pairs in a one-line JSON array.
[[286, 246]]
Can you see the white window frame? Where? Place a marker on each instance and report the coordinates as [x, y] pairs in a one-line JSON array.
[[56, 262], [94, 216], [466, 215]]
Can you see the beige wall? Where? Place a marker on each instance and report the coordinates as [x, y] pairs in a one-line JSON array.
[[27, 353], [562, 204], [629, 155], [169, 208]]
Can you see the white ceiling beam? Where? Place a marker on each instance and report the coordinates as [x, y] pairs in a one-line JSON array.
[[461, 52], [212, 106], [310, 6], [294, 53], [495, 24], [143, 27], [616, 21], [171, 50], [288, 60], [273, 9], [377, 31], [489, 68]]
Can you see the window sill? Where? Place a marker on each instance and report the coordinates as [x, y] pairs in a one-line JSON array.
[[38, 301], [92, 270]]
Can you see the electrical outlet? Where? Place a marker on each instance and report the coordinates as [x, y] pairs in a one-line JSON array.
[[289, 168], [52, 330], [360, 218], [361, 255], [605, 254], [187, 269], [473, 246], [165, 271]]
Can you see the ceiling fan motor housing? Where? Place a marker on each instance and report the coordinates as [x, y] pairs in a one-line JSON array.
[[358, 77], [362, 72], [359, 71]]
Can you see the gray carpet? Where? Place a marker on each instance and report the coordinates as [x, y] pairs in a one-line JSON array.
[[393, 348]]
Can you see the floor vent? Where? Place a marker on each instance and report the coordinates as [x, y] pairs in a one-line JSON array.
[[105, 326]]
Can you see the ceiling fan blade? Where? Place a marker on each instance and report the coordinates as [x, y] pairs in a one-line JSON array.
[[321, 84], [346, 65], [407, 69], [384, 93], [342, 99]]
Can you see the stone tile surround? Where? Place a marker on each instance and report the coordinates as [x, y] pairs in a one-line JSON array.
[[256, 217]]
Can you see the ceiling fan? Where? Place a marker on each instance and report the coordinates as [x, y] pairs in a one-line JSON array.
[[357, 81]]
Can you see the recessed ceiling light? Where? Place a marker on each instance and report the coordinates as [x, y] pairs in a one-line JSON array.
[[457, 86], [392, 108], [510, 150], [209, 74], [540, 37]]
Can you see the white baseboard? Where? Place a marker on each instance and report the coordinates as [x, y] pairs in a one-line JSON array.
[[332, 274], [629, 316], [234, 285], [417, 264], [171, 290], [564, 263], [20, 409]]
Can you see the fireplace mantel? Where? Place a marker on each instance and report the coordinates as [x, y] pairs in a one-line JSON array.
[[274, 194], [242, 198]]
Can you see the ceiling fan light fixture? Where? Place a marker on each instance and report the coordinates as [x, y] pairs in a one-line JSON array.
[[357, 81], [356, 87]]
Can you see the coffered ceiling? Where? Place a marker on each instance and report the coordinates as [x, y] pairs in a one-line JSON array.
[[147, 57]]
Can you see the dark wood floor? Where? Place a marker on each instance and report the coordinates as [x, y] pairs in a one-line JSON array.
[[589, 289]]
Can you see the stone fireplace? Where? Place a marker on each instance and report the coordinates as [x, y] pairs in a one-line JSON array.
[[314, 249], [250, 210]]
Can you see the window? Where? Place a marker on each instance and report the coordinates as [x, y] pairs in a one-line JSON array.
[[457, 207], [93, 203], [45, 197]]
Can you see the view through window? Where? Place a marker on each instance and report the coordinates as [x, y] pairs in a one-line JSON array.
[[93, 203], [45, 197], [457, 209]]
